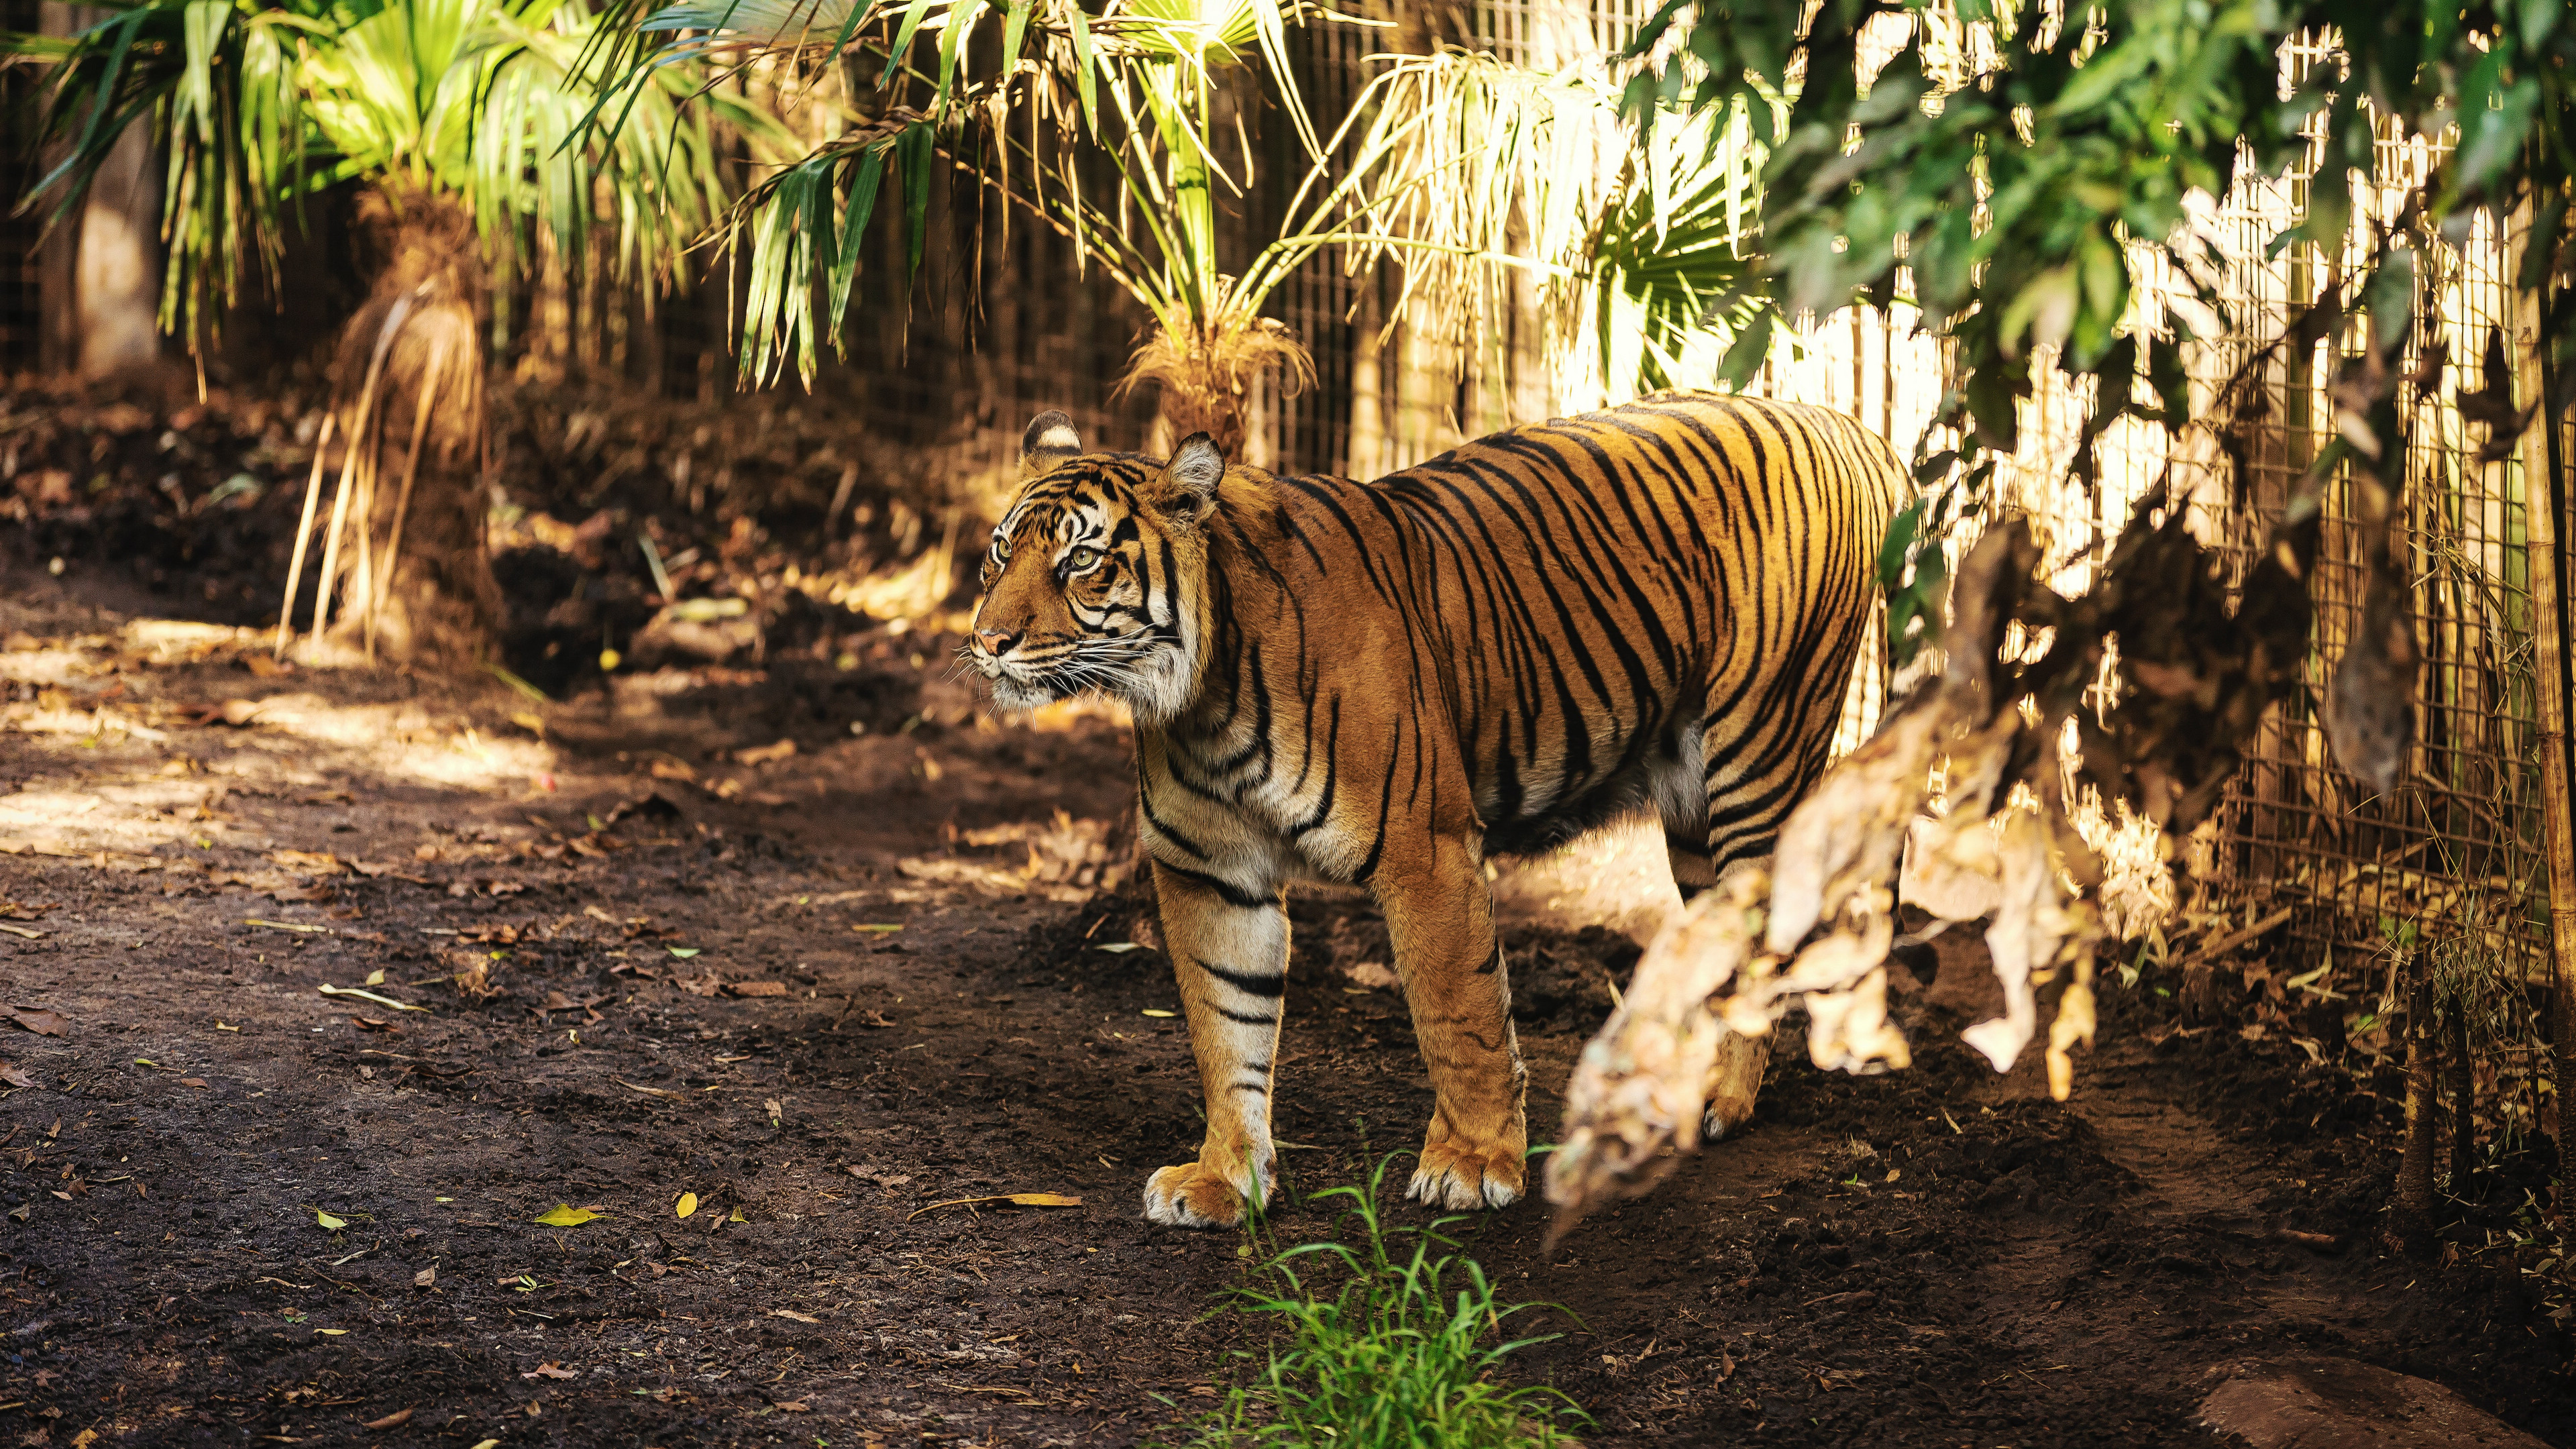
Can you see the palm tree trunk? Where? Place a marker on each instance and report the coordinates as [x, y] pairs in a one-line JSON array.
[[413, 581]]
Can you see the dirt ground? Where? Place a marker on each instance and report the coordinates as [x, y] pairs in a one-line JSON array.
[[239, 1210]]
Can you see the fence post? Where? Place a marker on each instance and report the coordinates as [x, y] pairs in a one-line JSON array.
[[2540, 490]]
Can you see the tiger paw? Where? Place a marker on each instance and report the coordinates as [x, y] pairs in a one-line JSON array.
[[1193, 1195], [1456, 1176], [1723, 1116]]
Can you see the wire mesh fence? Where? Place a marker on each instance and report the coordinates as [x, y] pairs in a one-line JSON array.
[[1005, 325]]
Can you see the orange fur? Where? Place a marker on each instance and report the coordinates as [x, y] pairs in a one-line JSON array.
[[1649, 609]]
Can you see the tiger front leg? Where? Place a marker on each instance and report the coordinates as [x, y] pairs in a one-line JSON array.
[[1230, 954], [1440, 919]]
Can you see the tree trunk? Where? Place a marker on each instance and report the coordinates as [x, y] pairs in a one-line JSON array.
[[100, 271], [118, 275], [405, 549]]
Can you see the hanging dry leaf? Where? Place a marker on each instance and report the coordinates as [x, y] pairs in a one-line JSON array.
[[2370, 707], [2074, 1023]]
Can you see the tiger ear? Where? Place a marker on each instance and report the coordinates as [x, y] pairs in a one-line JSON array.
[[1049, 441], [1190, 479]]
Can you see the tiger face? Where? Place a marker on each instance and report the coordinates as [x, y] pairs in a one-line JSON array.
[[1093, 579]]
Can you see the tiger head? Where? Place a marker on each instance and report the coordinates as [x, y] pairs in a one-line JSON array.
[[1095, 579]]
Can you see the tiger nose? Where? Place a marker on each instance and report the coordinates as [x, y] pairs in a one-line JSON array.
[[996, 641]]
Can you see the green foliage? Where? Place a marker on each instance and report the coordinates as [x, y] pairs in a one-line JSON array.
[[1398, 1356], [2025, 167], [1470, 169], [482, 101], [1462, 167], [1139, 83]]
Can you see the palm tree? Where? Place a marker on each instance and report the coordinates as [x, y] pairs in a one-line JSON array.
[[463, 123], [1461, 167]]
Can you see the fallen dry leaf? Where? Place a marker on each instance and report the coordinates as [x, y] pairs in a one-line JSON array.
[[550, 1371], [765, 754], [192, 1081], [1373, 975], [15, 1076], [687, 1204], [1014, 1199], [369, 1023], [757, 988], [370, 996], [426, 1277], [565, 1215], [234, 712], [788, 1406], [790, 1313], [40, 1020], [394, 1420]]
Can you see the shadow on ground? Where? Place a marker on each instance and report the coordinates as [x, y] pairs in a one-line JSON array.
[[814, 945]]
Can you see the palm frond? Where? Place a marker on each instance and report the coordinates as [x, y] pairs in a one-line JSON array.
[[1474, 173], [259, 106]]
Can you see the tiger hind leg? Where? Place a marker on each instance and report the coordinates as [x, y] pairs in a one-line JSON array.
[[1736, 1080]]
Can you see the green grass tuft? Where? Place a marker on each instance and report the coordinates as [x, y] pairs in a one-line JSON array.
[[1387, 1346]]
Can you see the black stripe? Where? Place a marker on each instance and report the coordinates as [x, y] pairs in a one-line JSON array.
[[1249, 985], [1234, 895]]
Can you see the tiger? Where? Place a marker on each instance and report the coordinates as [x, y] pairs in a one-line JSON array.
[[1655, 608]]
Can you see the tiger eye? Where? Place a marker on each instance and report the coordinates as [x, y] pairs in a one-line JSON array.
[[1082, 560]]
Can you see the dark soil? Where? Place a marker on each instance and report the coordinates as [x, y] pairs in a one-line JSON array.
[[677, 997]]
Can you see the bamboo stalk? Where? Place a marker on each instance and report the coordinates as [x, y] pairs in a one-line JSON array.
[[2551, 690], [2414, 1205], [303, 534], [2540, 486], [402, 501]]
